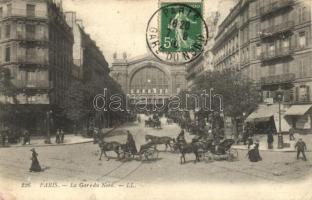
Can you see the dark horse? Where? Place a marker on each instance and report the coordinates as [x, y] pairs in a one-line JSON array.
[[109, 146], [157, 124], [160, 140], [194, 147]]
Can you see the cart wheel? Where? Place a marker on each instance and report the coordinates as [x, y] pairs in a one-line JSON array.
[[232, 155]]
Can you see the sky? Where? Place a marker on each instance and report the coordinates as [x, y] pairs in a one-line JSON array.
[[119, 25]]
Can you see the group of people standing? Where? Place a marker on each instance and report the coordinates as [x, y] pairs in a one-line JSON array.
[[59, 136]]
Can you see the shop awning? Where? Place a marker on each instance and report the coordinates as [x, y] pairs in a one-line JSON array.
[[263, 113], [298, 110]]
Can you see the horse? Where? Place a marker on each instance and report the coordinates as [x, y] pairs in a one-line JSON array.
[[109, 146], [159, 140], [194, 147]]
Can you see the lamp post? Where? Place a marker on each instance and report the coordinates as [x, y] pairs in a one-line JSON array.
[[279, 135], [48, 138]]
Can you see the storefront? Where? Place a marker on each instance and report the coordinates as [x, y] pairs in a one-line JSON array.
[[299, 117], [267, 115]]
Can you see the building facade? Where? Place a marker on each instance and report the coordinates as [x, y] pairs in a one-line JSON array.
[[269, 41], [36, 46], [147, 77], [91, 68], [205, 62]]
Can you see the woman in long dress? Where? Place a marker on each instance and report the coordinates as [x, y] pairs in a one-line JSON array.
[[35, 166]]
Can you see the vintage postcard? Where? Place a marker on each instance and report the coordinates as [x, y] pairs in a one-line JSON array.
[[155, 99]]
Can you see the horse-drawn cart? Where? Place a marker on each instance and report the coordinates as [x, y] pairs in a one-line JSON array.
[[223, 151], [147, 152]]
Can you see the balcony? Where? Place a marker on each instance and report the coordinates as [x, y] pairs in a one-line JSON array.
[[32, 62], [277, 54], [22, 14], [278, 79], [275, 6], [277, 30], [42, 84]]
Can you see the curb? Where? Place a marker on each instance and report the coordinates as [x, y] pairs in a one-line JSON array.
[[272, 150], [61, 144]]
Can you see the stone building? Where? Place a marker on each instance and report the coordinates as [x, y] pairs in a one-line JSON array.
[[147, 77], [36, 46], [90, 67], [270, 42]]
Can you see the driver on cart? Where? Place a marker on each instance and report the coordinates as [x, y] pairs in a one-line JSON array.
[[181, 138], [131, 144]]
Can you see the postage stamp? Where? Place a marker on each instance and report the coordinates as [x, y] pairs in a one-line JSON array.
[[176, 33]]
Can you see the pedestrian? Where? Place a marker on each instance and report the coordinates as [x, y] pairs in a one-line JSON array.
[[57, 136], [62, 136], [26, 137], [270, 138], [301, 147], [35, 166], [291, 134], [254, 154]]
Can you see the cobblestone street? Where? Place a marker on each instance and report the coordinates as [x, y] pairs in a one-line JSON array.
[[80, 163]]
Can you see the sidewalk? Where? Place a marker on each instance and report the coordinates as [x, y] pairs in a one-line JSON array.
[[264, 145], [69, 139]]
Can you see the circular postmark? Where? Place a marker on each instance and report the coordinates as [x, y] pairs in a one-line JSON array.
[[176, 33]]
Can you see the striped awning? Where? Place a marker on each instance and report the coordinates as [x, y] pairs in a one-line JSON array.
[[298, 110]]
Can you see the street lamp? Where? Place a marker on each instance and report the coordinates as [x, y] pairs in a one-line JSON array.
[[48, 138], [279, 135]]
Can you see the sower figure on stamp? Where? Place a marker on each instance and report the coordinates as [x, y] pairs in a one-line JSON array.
[[301, 147], [35, 166]]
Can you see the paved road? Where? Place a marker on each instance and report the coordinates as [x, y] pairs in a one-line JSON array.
[[80, 163]]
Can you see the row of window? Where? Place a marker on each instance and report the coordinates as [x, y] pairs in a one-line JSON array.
[[297, 94], [150, 91], [7, 11]]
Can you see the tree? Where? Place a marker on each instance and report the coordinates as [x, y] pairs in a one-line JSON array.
[[238, 92]]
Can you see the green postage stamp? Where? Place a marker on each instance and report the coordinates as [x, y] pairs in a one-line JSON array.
[[177, 33]]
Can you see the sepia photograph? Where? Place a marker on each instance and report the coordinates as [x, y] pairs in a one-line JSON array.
[[155, 99]]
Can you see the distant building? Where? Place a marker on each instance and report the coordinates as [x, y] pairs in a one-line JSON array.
[[147, 77], [205, 62], [270, 42], [36, 46]]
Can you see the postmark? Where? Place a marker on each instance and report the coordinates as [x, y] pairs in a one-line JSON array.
[[176, 33]]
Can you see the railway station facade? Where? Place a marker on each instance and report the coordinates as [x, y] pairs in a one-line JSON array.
[[148, 79]]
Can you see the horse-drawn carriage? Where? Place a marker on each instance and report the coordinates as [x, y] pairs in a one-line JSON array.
[[223, 151], [147, 151]]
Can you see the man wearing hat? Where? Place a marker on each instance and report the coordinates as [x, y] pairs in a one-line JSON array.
[[301, 147]]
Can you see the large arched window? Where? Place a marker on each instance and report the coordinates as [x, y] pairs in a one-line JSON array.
[[149, 80]]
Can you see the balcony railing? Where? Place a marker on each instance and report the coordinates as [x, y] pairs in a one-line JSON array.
[[278, 79], [277, 29], [42, 84], [21, 13], [281, 53], [275, 6], [33, 61]]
